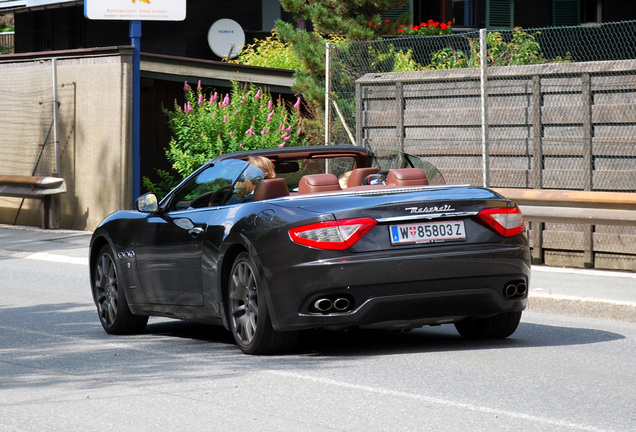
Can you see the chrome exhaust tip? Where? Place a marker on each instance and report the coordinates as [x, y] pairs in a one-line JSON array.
[[341, 304], [323, 304], [510, 290], [521, 289]]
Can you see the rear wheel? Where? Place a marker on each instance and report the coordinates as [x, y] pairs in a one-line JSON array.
[[109, 297], [249, 318], [495, 327]]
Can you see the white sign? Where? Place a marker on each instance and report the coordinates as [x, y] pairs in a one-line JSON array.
[[133, 10]]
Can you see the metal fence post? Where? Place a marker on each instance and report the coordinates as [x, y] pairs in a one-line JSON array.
[[483, 49], [52, 202], [588, 163], [399, 97], [327, 91], [536, 182]]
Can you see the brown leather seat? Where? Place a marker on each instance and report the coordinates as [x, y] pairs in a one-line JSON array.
[[271, 188], [315, 183], [406, 177], [358, 174]]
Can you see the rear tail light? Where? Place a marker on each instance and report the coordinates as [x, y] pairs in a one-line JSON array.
[[507, 221], [332, 235]]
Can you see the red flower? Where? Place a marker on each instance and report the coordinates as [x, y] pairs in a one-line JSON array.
[[387, 20], [443, 26], [370, 22], [400, 31], [450, 23], [431, 21], [422, 24], [435, 24]]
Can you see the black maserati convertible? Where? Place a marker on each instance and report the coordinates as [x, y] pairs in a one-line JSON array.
[[334, 237]]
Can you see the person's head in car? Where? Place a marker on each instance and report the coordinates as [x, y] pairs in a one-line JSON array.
[[265, 164]]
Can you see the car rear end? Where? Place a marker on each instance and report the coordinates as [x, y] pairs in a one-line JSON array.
[[398, 258]]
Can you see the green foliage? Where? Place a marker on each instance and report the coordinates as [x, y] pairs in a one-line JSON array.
[[166, 183], [404, 62], [5, 28], [393, 61], [268, 52], [245, 119], [448, 58], [523, 49], [343, 20]]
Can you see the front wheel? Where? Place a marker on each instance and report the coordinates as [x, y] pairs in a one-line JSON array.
[[110, 299], [495, 327], [249, 318]]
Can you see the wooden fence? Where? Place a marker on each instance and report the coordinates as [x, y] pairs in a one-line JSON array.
[[7, 42], [554, 126]]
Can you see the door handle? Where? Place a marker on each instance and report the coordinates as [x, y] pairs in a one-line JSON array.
[[196, 231]]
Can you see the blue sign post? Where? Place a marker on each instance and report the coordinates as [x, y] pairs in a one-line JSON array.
[[135, 41]]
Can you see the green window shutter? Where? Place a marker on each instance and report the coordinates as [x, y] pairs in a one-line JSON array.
[[566, 12], [499, 14], [397, 13]]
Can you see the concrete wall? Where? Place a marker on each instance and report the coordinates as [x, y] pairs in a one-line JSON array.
[[95, 132]]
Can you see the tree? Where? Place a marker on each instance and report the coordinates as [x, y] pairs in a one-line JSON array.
[[349, 20]]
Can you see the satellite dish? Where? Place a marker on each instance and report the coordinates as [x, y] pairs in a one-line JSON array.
[[226, 38]]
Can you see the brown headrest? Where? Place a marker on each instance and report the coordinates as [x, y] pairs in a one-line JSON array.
[[358, 174], [314, 183], [271, 188], [406, 177]]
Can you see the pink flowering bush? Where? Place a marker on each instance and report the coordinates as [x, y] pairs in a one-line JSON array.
[[207, 125]]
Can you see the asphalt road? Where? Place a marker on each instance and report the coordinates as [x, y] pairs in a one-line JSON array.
[[60, 372]]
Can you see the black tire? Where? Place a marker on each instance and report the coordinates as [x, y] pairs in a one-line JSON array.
[[495, 327], [109, 297], [248, 315]]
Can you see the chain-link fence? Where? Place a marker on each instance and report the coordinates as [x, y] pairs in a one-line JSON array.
[[553, 108], [27, 136], [566, 124]]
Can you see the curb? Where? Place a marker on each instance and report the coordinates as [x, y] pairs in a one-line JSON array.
[[583, 307]]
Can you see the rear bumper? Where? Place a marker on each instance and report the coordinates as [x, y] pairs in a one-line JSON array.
[[400, 290]]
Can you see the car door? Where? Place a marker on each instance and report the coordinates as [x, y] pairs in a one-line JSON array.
[[170, 246]]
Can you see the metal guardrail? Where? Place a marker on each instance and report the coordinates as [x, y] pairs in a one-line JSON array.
[[46, 189], [581, 207], [588, 208]]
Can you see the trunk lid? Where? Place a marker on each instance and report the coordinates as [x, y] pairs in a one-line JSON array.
[[438, 216]]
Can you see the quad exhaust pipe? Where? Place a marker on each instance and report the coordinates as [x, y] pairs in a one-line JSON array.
[[327, 305], [515, 289]]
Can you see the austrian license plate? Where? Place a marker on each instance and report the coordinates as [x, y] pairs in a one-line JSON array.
[[428, 232]]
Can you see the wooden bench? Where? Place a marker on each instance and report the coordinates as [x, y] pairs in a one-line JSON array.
[[43, 188]]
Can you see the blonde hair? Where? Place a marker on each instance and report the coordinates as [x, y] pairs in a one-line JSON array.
[[266, 165]]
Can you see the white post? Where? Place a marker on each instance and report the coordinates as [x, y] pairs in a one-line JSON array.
[[56, 142], [327, 91], [483, 50]]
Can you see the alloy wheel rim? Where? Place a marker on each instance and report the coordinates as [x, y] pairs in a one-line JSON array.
[[243, 303], [106, 293]]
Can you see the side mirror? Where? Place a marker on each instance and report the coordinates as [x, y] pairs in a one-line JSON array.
[[147, 203]]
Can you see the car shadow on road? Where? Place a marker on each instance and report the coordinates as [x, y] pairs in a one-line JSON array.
[[443, 338], [354, 342]]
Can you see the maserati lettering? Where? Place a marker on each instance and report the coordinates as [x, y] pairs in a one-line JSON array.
[[433, 209]]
